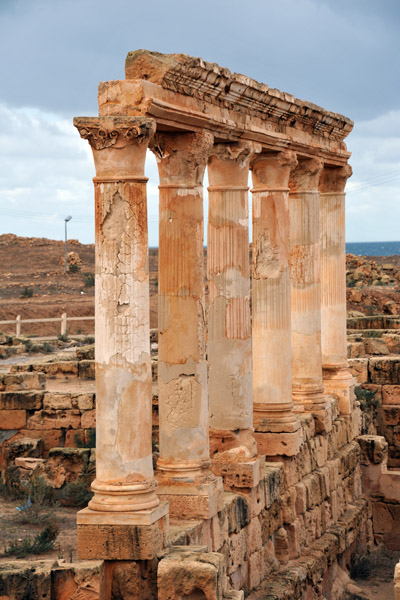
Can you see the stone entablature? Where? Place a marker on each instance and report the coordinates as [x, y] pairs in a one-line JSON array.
[[186, 94]]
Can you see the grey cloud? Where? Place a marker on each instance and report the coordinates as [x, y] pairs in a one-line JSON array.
[[334, 53]]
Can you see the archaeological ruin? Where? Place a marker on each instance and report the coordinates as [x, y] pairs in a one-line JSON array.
[[262, 485]]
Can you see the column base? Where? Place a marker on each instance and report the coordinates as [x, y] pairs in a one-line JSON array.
[[311, 398], [138, 535], [191, 498], [128, 497], [283, 443], [237, 469], [340, 382]]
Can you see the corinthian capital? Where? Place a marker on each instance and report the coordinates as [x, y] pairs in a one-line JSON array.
[[104, 132], [305, 176], [119, 144], [333, 179], [182, 157]]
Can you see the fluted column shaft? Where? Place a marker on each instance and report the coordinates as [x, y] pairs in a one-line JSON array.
[[305, 278], [337, 378], [229, 326], [184, 464], [277, 429], [124, 473]]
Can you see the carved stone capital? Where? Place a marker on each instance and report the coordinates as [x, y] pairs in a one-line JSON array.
[[305, 176], [182, 157], [229, 164], [119, 144], [104, 132], [272, 170], [333, 179]]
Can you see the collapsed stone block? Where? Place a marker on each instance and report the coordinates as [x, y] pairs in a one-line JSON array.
[[192, 575]]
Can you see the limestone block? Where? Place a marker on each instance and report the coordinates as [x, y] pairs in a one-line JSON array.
[[57, 419], [282, 546], [391, 415], [301, 498], [22, 381], [192, 500], [254, 537], [21, 400], [237, 511], [391, 394], [88, 419], [129, 579], [255, 498], [86, 369], [121, 536], [289, 505], [358, 367], [50, 438], [219, 530], [272, 477], [376, 346], [355, 349], [294, 539], [238, 550], [255, 569], [83, 401], [184, 574], [12, 419], [54, 401], [26, 579], [385, 370], [239, 579], [271, 520], [78, 581], [237, 473]]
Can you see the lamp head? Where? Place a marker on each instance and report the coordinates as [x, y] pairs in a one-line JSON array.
[[68, 218]]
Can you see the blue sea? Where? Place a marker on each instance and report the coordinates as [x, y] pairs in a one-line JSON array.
[[373, 248]]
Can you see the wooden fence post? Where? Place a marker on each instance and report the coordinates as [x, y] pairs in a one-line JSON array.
[[18, 327], [64, 324]]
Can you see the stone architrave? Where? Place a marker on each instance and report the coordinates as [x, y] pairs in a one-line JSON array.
[[124, 473], [305, 277], [183, 468], [336, 375], [277, 428], [229, 323]]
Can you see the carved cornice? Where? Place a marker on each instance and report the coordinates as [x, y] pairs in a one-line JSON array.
[[216, 85], [104, 132]]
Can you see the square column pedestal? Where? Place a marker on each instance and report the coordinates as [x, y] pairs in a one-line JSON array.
[[139, 535]]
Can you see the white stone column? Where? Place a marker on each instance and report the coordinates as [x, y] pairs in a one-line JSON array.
[[305, 276], [124, 472], [336, 375], [229, 324], [277, 429], [184, 475]]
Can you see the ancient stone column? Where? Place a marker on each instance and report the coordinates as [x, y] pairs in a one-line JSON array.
[[229, 325], [277, 429], [305, 276], [124, 474], [336, 375], [184, 472]]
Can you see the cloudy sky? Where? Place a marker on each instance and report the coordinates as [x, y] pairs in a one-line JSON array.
[[340, 54]]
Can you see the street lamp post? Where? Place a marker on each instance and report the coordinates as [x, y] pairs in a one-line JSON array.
[[66, 242]]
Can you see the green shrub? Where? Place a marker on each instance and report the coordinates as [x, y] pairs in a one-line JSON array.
[[42, 542], [366, 398], [27, 292], [360, 566], [74, 268], [91, 441], [63, 337], [77, 493], [89, 279]]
